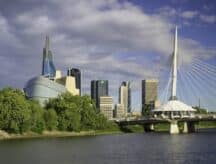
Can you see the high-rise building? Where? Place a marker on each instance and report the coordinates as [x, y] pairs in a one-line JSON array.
[[149, 94], [106, 106], [99, 88], [74, 72], [93, 90], [48, 68], [125, 96]]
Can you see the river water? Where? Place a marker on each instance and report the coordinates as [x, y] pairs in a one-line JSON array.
[[142, 148]]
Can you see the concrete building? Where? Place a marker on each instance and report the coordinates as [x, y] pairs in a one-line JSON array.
[[125, 96], [149, 93], [69, 83], [74, 72], [106, 106], [119, 111], [99, 88]]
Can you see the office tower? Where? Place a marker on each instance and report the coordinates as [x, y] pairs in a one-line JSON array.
[[119, 111], [48, 68], [125, 96], [93, 90], [106, 106], [99, 88], [74, 72], [149, 94]]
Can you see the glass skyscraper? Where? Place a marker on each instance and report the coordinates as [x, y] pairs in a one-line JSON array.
[[48, 68], [99, 88]]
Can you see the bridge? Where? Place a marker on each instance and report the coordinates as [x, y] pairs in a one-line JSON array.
[[175, 110], [148, 123]]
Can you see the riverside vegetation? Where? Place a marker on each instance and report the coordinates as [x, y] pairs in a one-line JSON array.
[[66, 115]]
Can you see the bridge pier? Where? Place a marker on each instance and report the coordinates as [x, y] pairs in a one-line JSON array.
[[185, 127], [189, 127], [149, 127], [174, 129]]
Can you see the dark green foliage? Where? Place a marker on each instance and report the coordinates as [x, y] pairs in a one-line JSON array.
[[76, 113], [66, 113], [146, 110], [37, 117], [15, 115], [51, 119], [200, 110]]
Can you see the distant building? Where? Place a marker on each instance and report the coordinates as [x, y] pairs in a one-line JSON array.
[[149, 93], [69, 83], [74, 72], [119, 111], [48, 68], [93, 90], [99, 88], [106, 106], [51, 83], [125, 96]]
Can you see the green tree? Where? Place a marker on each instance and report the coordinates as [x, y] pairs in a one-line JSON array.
[[37, 117], [15, 115], [200, 110], [147, 109], [68, 109], [76, 113], [51, 119]]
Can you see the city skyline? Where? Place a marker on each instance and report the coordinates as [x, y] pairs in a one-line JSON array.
[[100, 42]]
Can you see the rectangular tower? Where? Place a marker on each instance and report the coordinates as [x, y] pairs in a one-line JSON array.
[[74, 72], [125, 96], [149, 94], [99, 88]]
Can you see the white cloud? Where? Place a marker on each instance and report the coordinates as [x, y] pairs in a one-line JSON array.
[[101, 37], [189, 14], [208, 18]]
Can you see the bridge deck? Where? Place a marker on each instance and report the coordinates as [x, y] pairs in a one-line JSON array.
[[160, 120]]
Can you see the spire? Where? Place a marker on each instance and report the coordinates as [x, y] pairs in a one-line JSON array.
[[174, 66], [47, 44]]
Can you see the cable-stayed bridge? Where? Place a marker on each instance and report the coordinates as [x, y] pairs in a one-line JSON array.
[[196, 81]]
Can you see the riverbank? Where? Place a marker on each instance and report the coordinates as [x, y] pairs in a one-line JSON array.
[[114, 130], [52, 134]]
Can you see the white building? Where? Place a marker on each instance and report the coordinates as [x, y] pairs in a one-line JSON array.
[[106, 106]]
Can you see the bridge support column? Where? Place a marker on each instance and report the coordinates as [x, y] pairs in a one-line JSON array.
[[174, 129], [152, 127], [189, 127], [149, 127], [185, 128]]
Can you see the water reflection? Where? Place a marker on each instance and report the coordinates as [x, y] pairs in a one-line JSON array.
[[126, 149]]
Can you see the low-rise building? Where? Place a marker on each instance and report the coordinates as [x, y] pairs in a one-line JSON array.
[[119, 111], [106, 106]]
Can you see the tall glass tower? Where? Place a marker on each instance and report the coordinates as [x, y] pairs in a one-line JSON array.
[[99, 88], [48, 68]]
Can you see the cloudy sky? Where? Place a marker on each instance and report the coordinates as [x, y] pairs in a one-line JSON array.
[[107, 39]]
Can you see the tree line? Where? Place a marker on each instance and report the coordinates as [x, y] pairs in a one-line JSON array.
[[64, 113]]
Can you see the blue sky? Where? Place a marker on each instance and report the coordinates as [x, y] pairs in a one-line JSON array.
[[110, 39]]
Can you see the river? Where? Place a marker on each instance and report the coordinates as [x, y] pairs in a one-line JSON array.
[[131, 148]]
